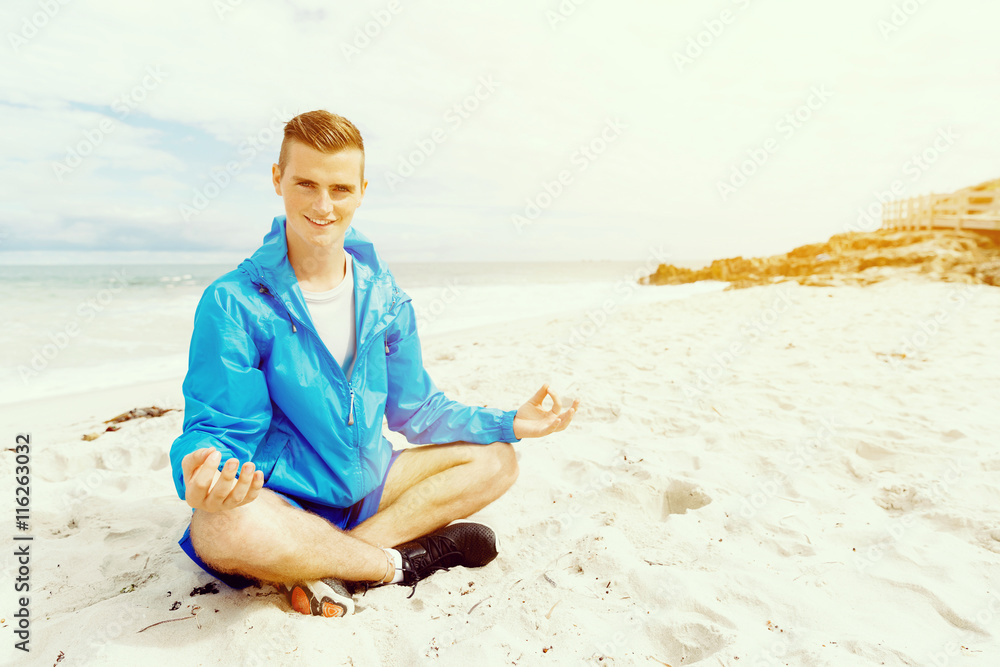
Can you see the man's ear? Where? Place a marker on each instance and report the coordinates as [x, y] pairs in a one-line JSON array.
[[364, 187], [276, 178]]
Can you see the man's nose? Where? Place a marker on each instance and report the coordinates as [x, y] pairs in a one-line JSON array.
[[323, 203]]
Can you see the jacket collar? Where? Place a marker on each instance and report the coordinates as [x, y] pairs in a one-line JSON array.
[[269, 266], [270, 261]]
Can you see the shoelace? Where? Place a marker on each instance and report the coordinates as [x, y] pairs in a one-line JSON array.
[[437, 548], [360, 585]]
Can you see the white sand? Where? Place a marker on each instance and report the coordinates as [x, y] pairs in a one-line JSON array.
[[809, 499]]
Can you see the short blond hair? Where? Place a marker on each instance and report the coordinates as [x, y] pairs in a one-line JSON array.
[[326, 132]]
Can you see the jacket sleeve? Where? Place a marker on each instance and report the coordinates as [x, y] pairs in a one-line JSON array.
[[419, 410], [226, 401]]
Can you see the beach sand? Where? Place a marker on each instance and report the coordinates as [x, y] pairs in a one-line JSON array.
[[780, 475]]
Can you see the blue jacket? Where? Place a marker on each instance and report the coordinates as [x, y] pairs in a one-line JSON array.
[[262, 386]]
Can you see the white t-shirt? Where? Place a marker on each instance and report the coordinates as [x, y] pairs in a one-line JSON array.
[[332, 313]]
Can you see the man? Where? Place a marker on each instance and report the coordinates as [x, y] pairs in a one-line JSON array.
[[295, 358]]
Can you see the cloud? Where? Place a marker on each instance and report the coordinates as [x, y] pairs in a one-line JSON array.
[[190, 88]]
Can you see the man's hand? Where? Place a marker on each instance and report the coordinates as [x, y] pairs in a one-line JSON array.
[[206, 488], [532, 421]]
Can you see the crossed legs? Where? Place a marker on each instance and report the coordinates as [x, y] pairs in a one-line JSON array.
[[428, 487]]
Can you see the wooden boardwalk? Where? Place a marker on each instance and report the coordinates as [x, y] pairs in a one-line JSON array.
[[975, 208]]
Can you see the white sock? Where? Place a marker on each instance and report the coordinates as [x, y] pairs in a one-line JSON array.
[[397, 562]]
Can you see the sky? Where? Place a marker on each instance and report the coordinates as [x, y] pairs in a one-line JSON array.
[[515, 131]]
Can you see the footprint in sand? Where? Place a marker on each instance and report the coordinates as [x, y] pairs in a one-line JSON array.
[[991, 466], [687, 637], [899, 498], [56, 469], [161, 462], [680, 497], [602, 413], [872, 452]]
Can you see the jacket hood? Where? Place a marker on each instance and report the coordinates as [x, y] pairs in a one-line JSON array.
[[269, 266], [270, 261]]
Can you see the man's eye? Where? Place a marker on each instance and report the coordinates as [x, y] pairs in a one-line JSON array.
[[306, 185]]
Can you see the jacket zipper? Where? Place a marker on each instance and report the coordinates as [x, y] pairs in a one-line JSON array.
[[375, 331], [264, 290], [350, 417]]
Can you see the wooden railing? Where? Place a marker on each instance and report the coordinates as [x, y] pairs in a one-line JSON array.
[[961, 210]]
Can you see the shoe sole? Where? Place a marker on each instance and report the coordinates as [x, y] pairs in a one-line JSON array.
[[320, 598]]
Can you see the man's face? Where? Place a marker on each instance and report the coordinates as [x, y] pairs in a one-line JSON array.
[[321, 193]]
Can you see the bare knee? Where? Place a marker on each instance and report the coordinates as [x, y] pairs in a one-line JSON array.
[[214, 535], [226, 539], [502, 464]]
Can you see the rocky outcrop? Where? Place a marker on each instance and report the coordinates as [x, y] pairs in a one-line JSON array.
[[856, 259]]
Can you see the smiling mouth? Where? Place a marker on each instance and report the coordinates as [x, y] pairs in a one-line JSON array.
[[320, 223]]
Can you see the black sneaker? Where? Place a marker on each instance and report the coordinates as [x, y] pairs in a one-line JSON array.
[[459, 543]]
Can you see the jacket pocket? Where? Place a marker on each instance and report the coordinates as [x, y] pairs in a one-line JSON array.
[[376, 376], [268, 455]]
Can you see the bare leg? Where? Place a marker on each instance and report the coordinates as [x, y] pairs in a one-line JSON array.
[[428, 487], [269, 540], [431, 486]]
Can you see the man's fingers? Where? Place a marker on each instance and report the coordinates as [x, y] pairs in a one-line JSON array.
[[192, 461], [556, 404], [539, 395], [202, 478], [255, 486], [566, 417], [224, 485], [239, 493], [552, 421]]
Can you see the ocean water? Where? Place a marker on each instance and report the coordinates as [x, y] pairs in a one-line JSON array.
[[76, 328]]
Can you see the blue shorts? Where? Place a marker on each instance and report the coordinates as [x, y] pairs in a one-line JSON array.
[[344, 518]]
